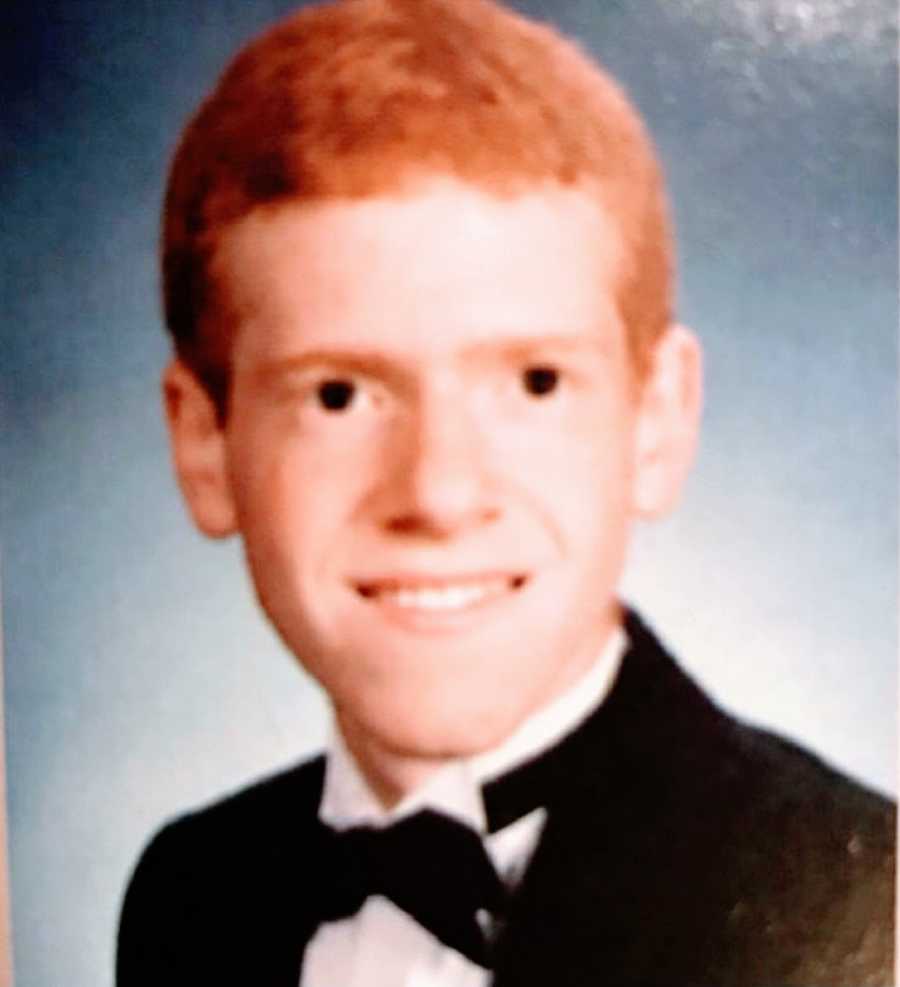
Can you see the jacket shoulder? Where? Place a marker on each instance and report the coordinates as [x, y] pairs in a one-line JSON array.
[[288, 797], [790, 779], [786, 864], [228, 873], [814, 866], [260, 819]]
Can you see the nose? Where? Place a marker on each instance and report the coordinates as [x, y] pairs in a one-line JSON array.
[[440, 483]]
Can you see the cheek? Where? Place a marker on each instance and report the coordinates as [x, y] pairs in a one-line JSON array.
[[580, 478], [296, 499]]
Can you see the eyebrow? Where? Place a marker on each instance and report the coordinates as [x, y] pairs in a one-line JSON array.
[[516, 350], [362, 362], [376, 363]]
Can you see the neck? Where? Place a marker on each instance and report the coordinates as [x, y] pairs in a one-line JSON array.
[[390, 774]]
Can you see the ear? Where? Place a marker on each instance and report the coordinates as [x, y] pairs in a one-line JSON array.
[[670, 403], [198, 451]]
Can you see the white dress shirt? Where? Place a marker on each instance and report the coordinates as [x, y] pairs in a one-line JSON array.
[[382, 946]]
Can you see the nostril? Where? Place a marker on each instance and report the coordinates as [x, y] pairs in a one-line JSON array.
[[437, 520], [409, 524]]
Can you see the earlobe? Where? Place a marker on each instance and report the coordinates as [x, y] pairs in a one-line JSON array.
[[198, 451], [668, 421]]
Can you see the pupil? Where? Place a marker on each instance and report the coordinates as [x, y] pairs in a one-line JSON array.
[[541, 380], [336, 395]]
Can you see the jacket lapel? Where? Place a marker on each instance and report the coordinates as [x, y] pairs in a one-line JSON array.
[[612, 893]]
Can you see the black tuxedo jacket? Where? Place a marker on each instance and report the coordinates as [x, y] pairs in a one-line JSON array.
[[682, 849]]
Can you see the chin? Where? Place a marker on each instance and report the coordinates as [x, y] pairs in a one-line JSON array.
[[438, 731]]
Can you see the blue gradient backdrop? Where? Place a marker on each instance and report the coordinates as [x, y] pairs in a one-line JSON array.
[[139, 677]]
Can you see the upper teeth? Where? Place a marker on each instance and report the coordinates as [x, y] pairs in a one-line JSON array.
[[444, 598]]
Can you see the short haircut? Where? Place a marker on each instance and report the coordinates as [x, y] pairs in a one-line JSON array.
[[356, 98]]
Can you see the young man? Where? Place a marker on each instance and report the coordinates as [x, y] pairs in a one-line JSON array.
[[417, 271]]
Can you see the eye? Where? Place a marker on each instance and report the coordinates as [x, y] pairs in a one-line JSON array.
[[540, 380], [336, 394]]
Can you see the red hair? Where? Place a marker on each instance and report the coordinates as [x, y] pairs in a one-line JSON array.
[[356, 97]]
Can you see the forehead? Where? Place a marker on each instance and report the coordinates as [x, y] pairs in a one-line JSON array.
[[445, 264]]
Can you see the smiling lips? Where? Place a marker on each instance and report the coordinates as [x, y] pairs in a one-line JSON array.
[[432, 595]]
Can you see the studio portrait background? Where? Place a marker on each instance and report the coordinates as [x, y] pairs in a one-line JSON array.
[[140, 678]]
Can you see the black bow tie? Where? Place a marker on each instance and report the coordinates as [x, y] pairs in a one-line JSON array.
[[431, 866]]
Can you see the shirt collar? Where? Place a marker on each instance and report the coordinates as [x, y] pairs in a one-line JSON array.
[[347, 799]]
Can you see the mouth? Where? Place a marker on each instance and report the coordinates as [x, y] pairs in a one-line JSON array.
[[437, 597]]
